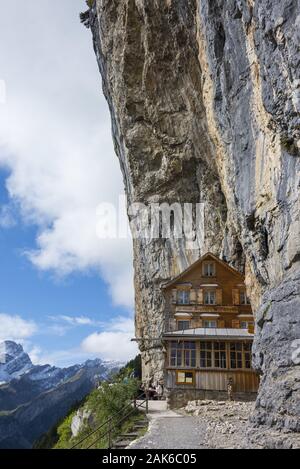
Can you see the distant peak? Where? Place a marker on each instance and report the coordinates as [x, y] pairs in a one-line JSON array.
[[8, 347]]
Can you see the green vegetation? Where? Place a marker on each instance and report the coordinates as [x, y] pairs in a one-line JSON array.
[[112, 400], [133, 368], [49, 439], [64, 432], [85, 15]]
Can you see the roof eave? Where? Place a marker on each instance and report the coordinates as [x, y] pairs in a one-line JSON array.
[[208, 337], [192, 266]]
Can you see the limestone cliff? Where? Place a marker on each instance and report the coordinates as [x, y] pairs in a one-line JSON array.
[[205, 98]]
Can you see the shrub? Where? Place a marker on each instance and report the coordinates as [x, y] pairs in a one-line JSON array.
[[109, 401]]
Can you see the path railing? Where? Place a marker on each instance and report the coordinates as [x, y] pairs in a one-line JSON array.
[[111, 425]]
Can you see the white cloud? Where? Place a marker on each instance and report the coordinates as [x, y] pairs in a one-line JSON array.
[[57, 329], [15, 328], [113, 344], [110, 345], [60, 325], [59, 358], [124, 324], [35, 353], [76, 320], [7, 219], [55, 140]]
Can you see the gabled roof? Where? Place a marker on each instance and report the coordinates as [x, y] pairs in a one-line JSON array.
[[195, 264]]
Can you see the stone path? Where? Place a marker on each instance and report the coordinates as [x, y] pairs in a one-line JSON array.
[[170, 430], [208, 425]]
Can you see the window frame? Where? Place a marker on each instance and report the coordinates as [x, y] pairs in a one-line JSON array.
[[180, 383], [245, 301], [249, 324], [206, 354], [246, 355], [218, 349], [190, 355], [210, 321], [209, 269], [183, 328], [183, 355], [209, 292], [185, 296]]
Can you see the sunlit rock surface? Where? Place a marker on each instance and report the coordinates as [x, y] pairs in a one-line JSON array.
[[205, 99]]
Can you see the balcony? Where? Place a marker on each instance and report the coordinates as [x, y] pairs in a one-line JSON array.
[[192, 325]]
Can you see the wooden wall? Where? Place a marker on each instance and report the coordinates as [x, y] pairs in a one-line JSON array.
[[243, 381], [228, 282]]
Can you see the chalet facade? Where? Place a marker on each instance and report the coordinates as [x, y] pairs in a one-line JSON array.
[[209, 331]]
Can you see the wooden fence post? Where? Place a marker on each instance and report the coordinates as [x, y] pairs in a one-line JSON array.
[[109, 435], [147, 404]]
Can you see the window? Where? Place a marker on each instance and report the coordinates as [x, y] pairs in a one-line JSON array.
[[246, 324], [220, 355], [185, 377], [183, 354], [189, 350], [210, 324], [240, 355], [208, 269], [210, 297], [183, 297], [236, 355], [247, 355], [217, 354], [206, 354], [182, 325], [243, 298], [213, 355], [176, 354]]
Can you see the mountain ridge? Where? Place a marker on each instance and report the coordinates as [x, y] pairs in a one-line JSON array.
[[13, 361], [35, 397]]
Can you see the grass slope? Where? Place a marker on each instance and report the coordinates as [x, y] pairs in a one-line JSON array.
[[111, 400]]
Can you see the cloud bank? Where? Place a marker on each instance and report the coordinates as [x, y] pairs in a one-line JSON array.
[[114, 343], [55, 141], [15, 328]]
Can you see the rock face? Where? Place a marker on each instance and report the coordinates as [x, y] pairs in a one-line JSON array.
[[13, 361], [205, 100], [82, 417], [35, 397]]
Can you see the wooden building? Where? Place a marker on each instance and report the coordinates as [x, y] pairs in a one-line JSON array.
[[209, 331]]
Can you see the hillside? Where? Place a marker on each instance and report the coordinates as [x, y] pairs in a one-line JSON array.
[[110, 400], [34, 398]]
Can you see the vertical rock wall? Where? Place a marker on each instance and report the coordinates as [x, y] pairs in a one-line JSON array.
[[205, 100], [249, 55]]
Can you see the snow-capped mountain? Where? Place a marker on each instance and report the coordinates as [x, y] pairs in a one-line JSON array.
[[34, 397], [14, 362]]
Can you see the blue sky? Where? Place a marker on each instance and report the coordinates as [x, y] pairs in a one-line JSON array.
[[64, 293]]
